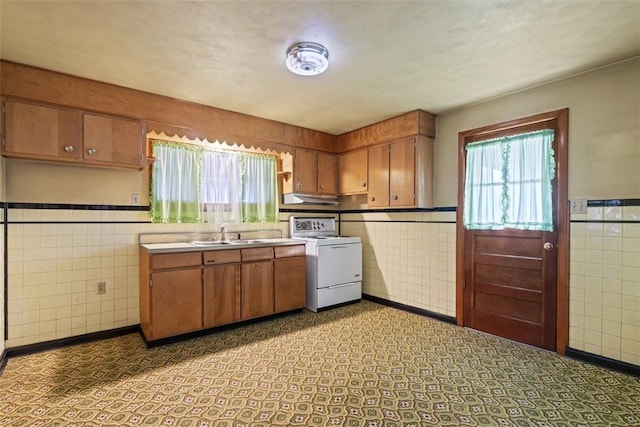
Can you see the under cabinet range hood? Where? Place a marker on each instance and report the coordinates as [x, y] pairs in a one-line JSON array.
[[309, 199]]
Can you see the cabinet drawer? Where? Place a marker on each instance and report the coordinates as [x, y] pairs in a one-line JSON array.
[[221, 257], [289, 251], [255, 254], [165, 261]]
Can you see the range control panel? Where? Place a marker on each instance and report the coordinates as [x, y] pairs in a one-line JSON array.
[[311, 226]]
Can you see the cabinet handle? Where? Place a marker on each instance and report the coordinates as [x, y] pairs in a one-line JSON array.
[[299, 184], [373, 199], [364, 184], [395, 197], [210, 261], [68, 148], [322, 186], [92, 151]]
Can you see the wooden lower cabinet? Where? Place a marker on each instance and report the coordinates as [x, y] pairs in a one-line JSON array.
[[257, 289], [290, 273], [221, 295], [290, 283], [176, 302], [189, 291]]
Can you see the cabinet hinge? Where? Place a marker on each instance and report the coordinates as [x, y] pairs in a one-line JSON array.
[[4, 109], [4, 141], [150, 283]]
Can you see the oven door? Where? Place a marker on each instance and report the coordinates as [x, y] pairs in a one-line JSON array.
[[339, 263]]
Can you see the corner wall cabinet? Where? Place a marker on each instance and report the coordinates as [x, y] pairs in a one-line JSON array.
[[44, 132], [352, 172], [182, 292]]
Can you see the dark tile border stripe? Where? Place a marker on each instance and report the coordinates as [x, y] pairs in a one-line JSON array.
[[613, 202], [12, 205], [3, 361], [411, 309], [605, 362]]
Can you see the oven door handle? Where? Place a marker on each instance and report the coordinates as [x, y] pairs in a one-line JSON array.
[[340, 246], [339, 286]]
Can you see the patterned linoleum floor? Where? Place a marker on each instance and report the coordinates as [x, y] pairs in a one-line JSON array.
[[359, 365]]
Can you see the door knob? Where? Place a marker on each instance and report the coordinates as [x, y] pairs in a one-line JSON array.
[[547, 246]]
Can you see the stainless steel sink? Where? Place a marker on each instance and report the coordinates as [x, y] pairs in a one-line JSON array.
[[208, 242]]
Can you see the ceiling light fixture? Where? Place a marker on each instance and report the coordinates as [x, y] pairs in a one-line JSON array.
[[307, 58]]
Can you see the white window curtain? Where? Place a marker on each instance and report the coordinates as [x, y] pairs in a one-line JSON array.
[[194, 184], [220, 189], [259, 188], [175, 195], [508, 182]]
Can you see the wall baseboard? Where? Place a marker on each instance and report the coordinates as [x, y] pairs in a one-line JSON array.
[[605, 362], [64, 342], [3, 361], [411, 309]]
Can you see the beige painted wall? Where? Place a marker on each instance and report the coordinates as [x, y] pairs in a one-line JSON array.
[[604, 131], [44, 182]]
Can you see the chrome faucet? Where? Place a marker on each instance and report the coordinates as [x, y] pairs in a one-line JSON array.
[[223, 231]]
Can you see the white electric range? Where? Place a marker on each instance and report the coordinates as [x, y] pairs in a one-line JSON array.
[[334, 263]]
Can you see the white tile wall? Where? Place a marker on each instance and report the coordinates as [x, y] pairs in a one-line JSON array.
[[408, 258], [604, 300], [56, 261]]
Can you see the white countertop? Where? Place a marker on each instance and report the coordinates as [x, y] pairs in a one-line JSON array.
[[190, 247]]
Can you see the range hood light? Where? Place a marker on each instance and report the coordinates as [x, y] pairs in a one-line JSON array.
[[307, 58]]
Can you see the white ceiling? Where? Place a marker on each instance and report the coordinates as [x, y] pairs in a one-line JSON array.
[[386, 57]]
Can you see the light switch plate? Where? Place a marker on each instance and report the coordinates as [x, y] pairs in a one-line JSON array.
[[578, 206]]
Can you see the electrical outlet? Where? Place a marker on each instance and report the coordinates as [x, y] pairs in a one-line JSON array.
[[578, 206], [102, 288], [135, 199]]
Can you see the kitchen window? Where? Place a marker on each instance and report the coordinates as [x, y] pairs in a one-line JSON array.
[[508, 182], [194, 184]]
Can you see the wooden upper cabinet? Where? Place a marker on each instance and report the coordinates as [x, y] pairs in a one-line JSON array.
[[378, 196], [327, 173], [314, 172], [402, 177], [113, 141], [401, 173], [352, 175], [305, 171], [41, 132]]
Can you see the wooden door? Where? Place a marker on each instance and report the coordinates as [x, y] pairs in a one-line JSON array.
[[510, 282], [352, 176], [378, 176], [41, 132], [327, 174], [305, 171], [112, 140], [402, 165]]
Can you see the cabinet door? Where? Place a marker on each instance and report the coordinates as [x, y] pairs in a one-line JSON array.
[[176, 302], [327, 173], [305, 171], [39, 132], [353, 172], [112, 141], [402, 173], [378, 176], [290, 283], [257, 289], [221, 295]]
